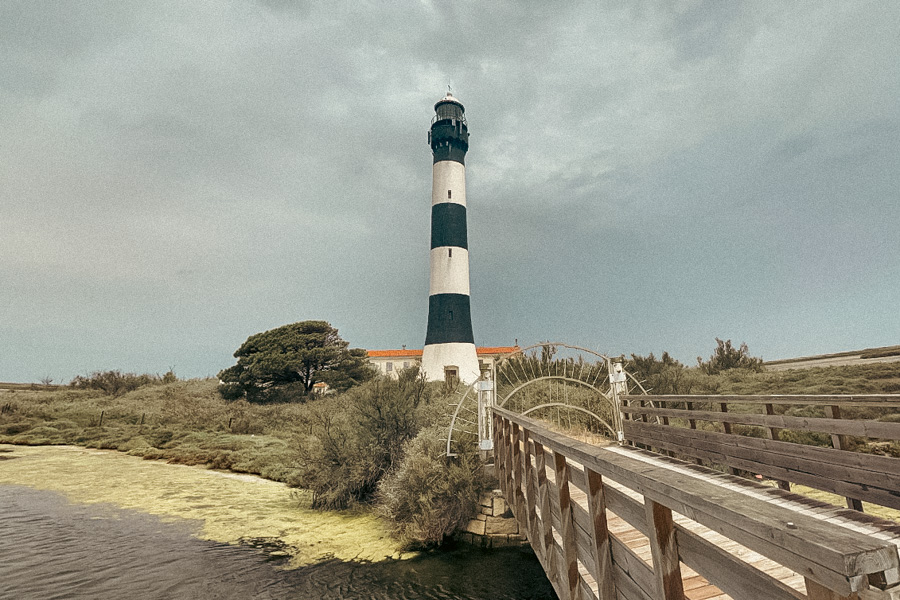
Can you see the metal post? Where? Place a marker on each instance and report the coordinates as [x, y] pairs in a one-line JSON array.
[[618, 385], [485, 389]]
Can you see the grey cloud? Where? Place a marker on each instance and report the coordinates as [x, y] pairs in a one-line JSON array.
[[642, 177]]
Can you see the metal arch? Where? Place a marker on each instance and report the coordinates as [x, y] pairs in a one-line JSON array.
[[522, 351], [572, 406], [453, 418], [559, 377]]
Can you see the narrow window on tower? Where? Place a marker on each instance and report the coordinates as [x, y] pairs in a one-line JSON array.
[[451, 315], [449, 194], [450, 252]]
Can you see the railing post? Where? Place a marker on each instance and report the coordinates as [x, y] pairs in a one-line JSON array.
[[840, 442], [500, 445], [546, 533], [816, 591], [507, 458], [567, 525], [664, 549], [692, 423], [518, 499], [772, 434], [524, 499], [530, 495], [606, 587], [726, 427]]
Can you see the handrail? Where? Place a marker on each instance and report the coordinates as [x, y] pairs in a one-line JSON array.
[[663, 424], [874, 400], [827, 555]]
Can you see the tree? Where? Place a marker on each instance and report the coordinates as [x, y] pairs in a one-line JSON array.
[[664, 375], [287, 361], [726, 356]]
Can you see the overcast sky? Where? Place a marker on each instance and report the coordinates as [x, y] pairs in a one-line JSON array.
[[642, 176]]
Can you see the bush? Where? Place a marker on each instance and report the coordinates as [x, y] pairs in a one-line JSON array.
[[429, 495], [726, 357], [116, 383], [351, 441]]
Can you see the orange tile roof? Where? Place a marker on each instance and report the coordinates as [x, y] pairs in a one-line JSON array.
[[395, 353], [497, 349], [418, 353]]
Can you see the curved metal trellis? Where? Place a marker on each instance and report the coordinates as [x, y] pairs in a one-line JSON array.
[[573, 380]]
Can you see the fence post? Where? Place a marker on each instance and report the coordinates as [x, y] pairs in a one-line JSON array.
[[726, 427], [664, 549], [817, 591], [772, 434], [606, 588], [692, 423], [518, 499], [530, 494], [546, 523], [839, 442], [567, 525]]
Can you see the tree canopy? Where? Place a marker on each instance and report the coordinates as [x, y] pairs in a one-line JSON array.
[[282, 362]]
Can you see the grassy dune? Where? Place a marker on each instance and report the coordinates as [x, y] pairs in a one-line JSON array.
[[184, 422]]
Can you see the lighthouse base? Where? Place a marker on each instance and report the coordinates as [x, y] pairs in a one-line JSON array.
[[441, 362]]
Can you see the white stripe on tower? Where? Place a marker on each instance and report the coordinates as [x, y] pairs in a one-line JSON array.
[[449, 343]]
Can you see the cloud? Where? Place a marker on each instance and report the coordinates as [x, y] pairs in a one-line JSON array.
[[178, 176]]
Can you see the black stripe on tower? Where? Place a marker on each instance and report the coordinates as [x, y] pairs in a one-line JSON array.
[[449, 320], [448, 225], [449, 140]]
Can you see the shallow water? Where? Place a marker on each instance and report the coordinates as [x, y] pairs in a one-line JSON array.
[[53, 549], [63, 541]]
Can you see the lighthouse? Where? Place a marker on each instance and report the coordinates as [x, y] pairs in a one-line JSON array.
[[449, 352]]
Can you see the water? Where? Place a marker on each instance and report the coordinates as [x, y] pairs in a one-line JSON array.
[[52, 549]]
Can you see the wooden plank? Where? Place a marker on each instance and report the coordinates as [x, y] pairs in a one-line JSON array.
[[751, 454], [859, 467], [831, 555], [874, 400], [632, 576], [719, 567], [732, 575], [860, 428], [867, 493], [664, 547], [567, 531], [600, 538], [577, 478]]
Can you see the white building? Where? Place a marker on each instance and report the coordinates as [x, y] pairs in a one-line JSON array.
[[390, 362]]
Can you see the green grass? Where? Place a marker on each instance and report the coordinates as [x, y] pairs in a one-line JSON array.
[[878, 378], [184, 422]]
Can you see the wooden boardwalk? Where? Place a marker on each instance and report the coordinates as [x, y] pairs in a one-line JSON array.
[[616, 513]]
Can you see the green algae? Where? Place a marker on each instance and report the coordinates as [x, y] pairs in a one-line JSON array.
[[224, 507]]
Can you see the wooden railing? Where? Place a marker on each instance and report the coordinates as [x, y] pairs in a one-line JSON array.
[[563, 493], [656, 422]]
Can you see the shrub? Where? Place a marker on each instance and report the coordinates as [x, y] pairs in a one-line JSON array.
[[116, 383], [726, 357], [354, 439], [429, 495]]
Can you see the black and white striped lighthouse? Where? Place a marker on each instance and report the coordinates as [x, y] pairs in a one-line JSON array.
[[449, 344]]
